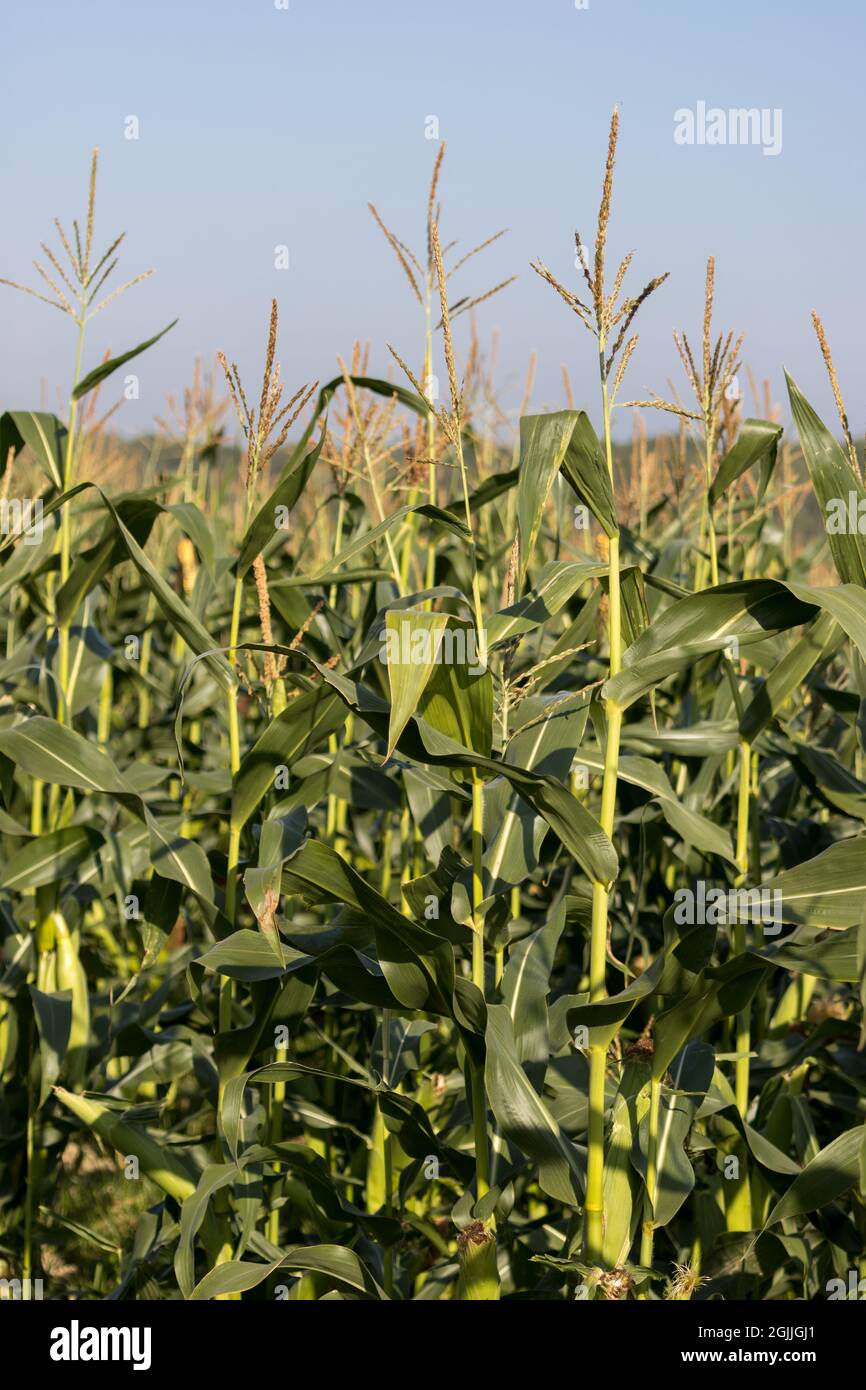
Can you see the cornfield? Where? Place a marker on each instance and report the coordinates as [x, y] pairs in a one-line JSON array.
[[432, 851]]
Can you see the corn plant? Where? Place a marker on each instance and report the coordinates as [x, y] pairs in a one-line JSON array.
[[432, 850]]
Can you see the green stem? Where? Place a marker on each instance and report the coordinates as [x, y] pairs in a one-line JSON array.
[[36, 807], [388, 1153], [700, 562], [144, 664], [45, 939], [106, 700], [226, 988], [709, 440], [32, 1183], [64, 715], [648, 1229], [476, 591], [277, 1101], [430, 576], [743, 1025], [479, 1097], [594, 1204], [333, 811]]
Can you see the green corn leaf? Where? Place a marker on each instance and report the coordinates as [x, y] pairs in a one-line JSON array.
[[302, 726], [45, 749], [579, 831], [704, 623], [418, 966], [834, 480], [160, 1164], [414, 640], [525, 986], [560, 440], [105, 369], [818, 642], [690, 1076], [48, 858], [53, 1014], [42, 433], [290, 485], [340, 1267], [756, 443], [834, 958], [827, 891], [830, 1173], [553, 586], [523, 1117]]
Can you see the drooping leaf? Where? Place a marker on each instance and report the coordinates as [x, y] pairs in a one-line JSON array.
[[578, 830], [302, 726], [744, 612], [817, 642], [53, 1014], [525, 986], [43, 434], [756, 443], [340, 1266], [553, 586], [681, 1097], [524, 1119], [830, 1173], [418, 966]]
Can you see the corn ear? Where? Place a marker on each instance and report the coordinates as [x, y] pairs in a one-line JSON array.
[[479, 1273]]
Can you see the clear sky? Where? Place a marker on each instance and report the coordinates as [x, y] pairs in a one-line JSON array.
[[262, 126]]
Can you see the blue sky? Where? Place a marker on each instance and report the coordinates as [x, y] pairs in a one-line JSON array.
[[262, 126]]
